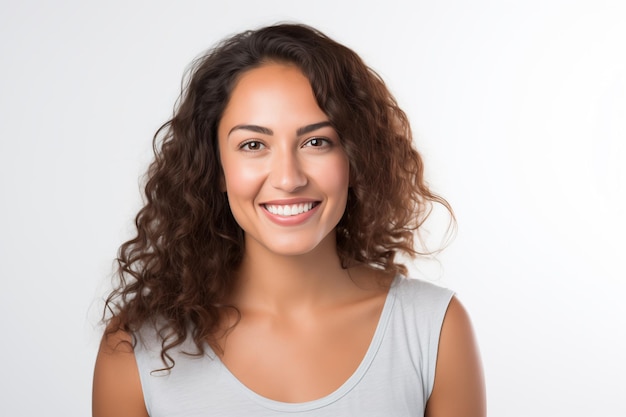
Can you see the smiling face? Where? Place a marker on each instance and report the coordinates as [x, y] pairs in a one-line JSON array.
[[285, 172]]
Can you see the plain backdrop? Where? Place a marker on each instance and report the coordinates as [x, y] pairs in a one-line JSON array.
[[519, 108]]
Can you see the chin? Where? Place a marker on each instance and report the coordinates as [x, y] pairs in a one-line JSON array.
[[291, 249], [296, 245]]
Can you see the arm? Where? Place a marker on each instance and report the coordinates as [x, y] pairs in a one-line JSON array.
[[459, 388], [116, 384]]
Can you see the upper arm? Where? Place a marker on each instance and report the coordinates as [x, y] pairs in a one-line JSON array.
[[116, 385], [459, 388]]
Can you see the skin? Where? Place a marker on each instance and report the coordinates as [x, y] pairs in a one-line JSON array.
[[277, 147], [116, 384], [308, 318], [459, 389]]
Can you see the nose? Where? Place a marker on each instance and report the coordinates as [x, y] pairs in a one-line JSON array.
[[287, 173]]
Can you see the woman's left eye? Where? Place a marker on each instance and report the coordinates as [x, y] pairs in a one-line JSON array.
[[317, 142]]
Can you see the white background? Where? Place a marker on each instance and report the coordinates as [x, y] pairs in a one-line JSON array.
[[518, 107]]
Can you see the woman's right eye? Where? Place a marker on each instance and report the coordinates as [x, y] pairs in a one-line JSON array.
[[251, 145]]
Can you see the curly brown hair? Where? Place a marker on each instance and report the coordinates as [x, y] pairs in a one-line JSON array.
[[179, 266]]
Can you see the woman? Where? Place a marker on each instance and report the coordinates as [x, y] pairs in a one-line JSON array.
[[263, 277]]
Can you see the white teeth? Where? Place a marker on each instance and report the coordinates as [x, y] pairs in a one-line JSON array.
[[289, 210]]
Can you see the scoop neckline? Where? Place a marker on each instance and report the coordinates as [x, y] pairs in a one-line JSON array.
[[340, 392]]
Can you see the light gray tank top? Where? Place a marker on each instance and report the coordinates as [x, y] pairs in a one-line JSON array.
[[395, 378]]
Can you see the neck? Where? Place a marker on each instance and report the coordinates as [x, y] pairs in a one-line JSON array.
[[270, 281]]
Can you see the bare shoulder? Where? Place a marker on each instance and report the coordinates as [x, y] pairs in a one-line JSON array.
[[116, 384], [459, 388]]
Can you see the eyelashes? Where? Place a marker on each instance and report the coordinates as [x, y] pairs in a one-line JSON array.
[[316, 142], [252, 146]]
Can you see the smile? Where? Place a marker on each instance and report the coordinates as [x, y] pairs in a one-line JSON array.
[[289, 209]]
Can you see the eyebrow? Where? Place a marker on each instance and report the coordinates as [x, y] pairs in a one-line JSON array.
[[266, 131], [312, 128]]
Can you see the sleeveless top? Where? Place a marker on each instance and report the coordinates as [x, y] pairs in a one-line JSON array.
[[395, 378]]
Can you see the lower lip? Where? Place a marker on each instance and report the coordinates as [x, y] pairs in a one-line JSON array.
[[290, 220]]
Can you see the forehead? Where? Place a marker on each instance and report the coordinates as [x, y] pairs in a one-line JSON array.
[[272, 94]]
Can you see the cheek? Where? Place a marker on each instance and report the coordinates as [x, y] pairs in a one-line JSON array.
[[241, 180], [238, 184], [336, 177]]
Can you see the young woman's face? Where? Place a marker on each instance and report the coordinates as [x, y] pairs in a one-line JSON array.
[[285, 173]]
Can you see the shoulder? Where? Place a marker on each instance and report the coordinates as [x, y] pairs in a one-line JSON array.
[[116, 382], [459, 384], [415, 284], [418, 312], [414, 293]]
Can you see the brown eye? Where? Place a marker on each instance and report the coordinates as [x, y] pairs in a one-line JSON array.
[[252, 145], [317, 142]]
